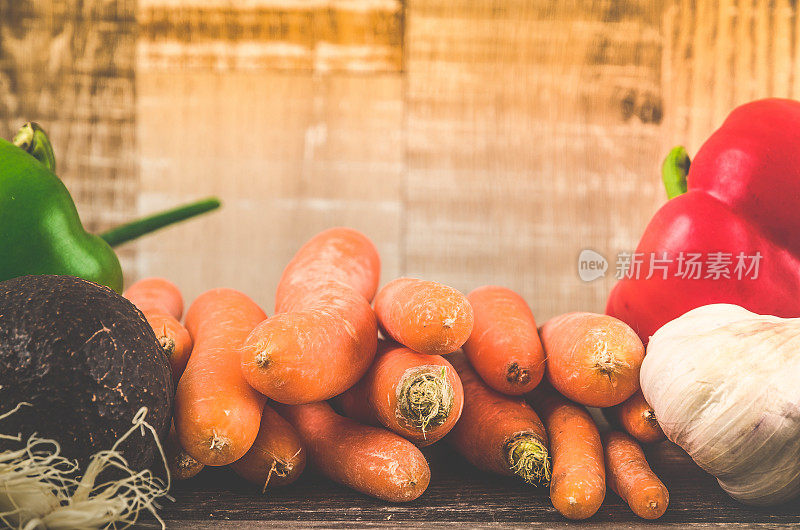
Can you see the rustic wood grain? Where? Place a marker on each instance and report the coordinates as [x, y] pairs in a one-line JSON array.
[[289, 154], [533, 133], [476, 141], [458, 495], [720, 54], [290, 137], [321, 35]]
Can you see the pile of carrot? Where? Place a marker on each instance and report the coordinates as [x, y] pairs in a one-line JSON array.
[[317, 385]]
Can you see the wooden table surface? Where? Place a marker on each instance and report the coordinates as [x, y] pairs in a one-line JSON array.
[[458, 496]]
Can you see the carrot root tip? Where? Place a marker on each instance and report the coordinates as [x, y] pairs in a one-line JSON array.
[[184, 461], [262, 359], [424, 397], [607, 363], [280, 468], [650, 417], [283, 468], [516, 375], [528, 458], [167, 344], [218, 443]]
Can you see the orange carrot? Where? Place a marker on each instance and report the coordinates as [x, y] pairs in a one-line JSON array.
[[631, 478], [499, 433], [277, 457], [592, 359], [637, 417], [417, 396], [368, 459], [504, 346], [156, 292], [217, 413], [181, 465], [578, 485], [324, 334], [162, 305], [425, 316], [338, 254]]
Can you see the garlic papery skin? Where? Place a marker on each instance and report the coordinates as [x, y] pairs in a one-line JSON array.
[[725, 386]]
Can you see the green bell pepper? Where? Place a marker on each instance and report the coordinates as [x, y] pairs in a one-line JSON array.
[[41, 230]]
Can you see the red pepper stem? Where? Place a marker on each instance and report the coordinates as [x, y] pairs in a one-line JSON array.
[[151, 223], [674, 171]]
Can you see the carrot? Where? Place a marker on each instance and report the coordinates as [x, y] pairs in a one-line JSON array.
[[417, 396], [504, 346], [181, 465], [368, 459], [277, 457], [425, 316], [578, 485], [217, 414], [324, 334], [339, 254], [592, 359], [499, 433], [631, 478], [156, 292], [162, 305], [637, 417]]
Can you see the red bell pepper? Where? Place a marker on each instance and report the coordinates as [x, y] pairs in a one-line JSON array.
[[742, 207]]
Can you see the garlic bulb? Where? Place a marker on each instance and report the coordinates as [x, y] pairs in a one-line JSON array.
[[725, 386]]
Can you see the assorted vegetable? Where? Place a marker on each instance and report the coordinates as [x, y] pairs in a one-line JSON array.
[[323, 336], [499, 433], [252, 393], [729, 233], [629, 475], [578, 483], [637, 418], [368, 459], [162, 305], [85, 360], [724, 386], [418, 396], [277, 457], [217, 414], [42, 233], [425, 316], [83, 364], [504, 346], [592, 359]]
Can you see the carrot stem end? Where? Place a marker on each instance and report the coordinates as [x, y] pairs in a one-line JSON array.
[[528, 458], [425, 397], [167, 344], [262, 360]]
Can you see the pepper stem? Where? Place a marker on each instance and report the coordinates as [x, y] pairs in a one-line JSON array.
[[674, 171], [151, 223], [32, 139]]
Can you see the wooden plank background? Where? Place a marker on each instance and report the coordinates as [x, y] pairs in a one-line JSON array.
[[475, 141]]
